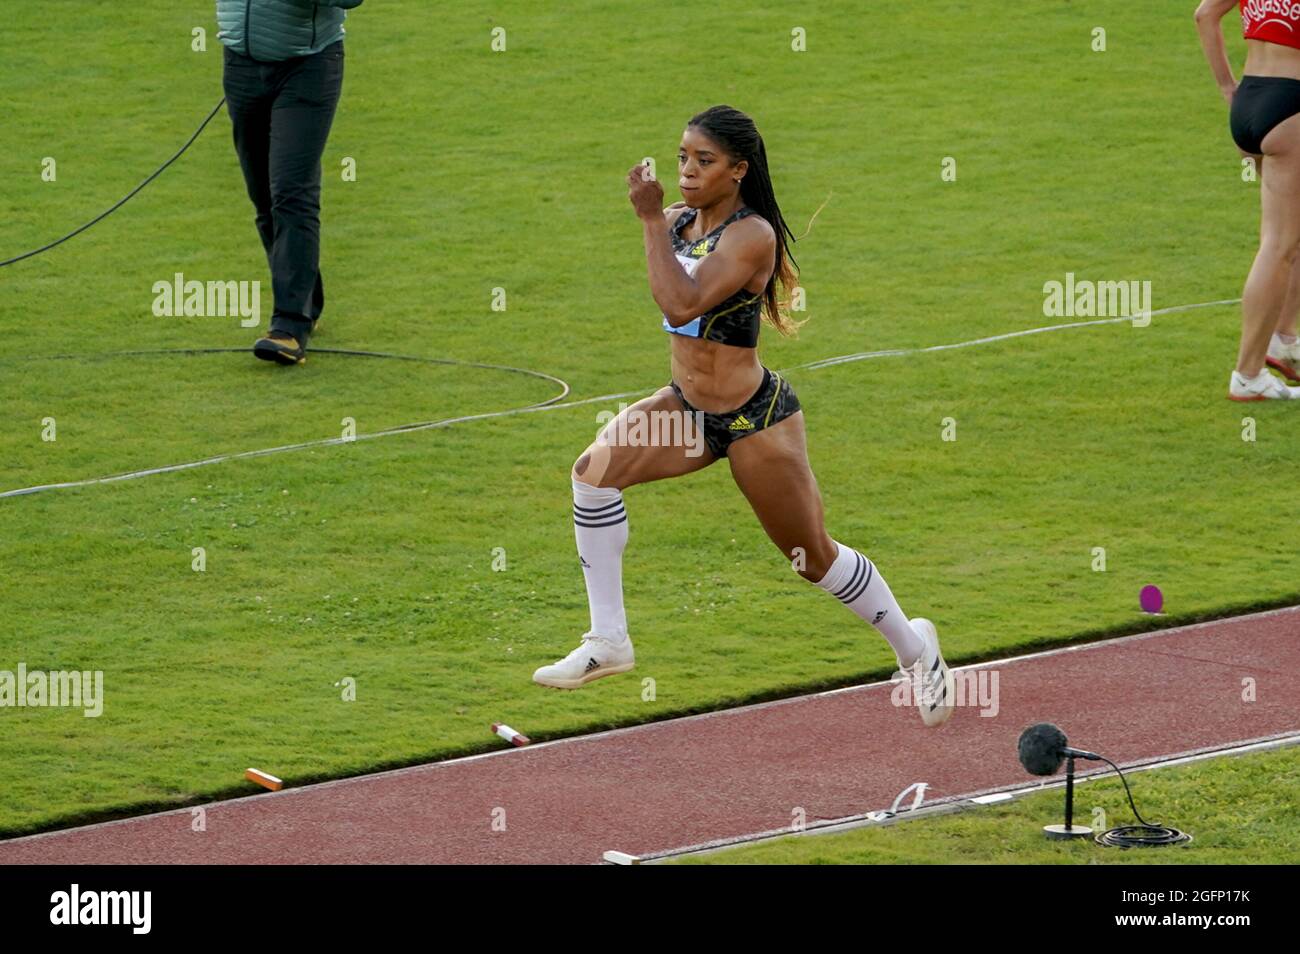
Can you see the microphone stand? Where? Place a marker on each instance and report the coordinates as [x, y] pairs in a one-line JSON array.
[[1069, 829]]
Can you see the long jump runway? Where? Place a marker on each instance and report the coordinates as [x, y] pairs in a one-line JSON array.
[[690, 781]]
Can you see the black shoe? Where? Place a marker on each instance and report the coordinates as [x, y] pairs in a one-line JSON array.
[[280, 347]]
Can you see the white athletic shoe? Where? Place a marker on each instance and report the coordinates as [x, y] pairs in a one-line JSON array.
[[933, 687], [1285, 359], [1262, 387], [595, 658]]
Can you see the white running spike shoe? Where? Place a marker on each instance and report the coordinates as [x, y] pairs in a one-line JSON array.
[[933, 686], [1262, 387], [1284, 359], [595, 658]]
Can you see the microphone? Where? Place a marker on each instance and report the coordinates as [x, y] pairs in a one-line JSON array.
[[1043, 747]]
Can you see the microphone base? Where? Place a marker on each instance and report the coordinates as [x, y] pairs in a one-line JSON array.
[[1061, 833]]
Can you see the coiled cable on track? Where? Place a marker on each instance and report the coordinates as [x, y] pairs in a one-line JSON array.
[[1144, 835]]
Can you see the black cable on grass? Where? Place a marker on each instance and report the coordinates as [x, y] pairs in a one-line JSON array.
[[1144, 835], [322, 442], [553, 404], [121, 202], [160, 352], [418, 425]]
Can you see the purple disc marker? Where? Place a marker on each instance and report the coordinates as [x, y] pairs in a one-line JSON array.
[[1151, 599]]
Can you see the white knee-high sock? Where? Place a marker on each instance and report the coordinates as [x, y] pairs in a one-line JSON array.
[[856, 582], [600, 524]]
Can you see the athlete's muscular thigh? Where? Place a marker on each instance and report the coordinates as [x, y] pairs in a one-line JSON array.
[[771, 469], [654, 438]]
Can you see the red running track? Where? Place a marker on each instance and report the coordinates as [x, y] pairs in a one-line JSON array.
[[688, 781]]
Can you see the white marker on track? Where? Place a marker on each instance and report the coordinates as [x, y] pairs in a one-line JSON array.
[[509, 734]]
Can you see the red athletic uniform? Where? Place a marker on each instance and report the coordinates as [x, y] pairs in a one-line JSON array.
[[1274, 21]]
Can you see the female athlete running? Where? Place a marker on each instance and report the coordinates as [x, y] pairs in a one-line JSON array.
[[1265, 123], [715, 261]]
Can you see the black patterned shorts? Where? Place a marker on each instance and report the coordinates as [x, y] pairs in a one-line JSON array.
[[774, 401]]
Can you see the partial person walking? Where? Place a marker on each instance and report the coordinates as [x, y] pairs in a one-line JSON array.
[[1265, 123], [283, 76]]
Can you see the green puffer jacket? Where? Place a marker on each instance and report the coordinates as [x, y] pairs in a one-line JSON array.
[[281, 29]]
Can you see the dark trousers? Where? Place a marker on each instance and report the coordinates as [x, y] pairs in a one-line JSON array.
[[281, 113]]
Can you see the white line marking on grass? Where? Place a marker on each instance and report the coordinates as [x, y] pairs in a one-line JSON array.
[[861, 356], [546, 406]]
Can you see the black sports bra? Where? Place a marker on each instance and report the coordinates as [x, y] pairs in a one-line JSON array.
[[733, 321]]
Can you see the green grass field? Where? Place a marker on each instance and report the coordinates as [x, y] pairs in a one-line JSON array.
[[1237, 810], [478, 170]]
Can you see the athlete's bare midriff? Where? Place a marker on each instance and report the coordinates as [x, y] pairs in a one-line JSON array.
[[715, 377], [1271, 59]]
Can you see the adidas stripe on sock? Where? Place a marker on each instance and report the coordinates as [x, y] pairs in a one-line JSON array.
[[856, 582], [600, 525]]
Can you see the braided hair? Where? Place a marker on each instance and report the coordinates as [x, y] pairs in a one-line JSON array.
[[736, 133]]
